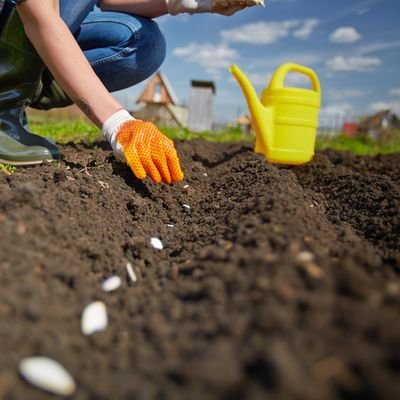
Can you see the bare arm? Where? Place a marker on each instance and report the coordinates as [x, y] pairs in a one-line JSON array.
[[62, 55], [156, 8], [144, 8]]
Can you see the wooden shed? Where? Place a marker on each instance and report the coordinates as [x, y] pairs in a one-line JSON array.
[[201, 99]]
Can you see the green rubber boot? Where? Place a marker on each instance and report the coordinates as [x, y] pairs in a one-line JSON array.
[[18, 146], [21, 71]]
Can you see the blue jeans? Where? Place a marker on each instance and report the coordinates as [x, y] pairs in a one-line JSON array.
[[123, 49]]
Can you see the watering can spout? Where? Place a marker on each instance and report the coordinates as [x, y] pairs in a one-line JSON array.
[[256, 108], [247, 88]]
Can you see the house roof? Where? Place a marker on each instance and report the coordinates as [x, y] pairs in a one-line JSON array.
[[378, 120], [210, 84], [244, 120], [167, 86]]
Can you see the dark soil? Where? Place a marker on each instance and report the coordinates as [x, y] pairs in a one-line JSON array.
[[277, 283]]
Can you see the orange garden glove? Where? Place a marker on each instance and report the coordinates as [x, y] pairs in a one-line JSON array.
[[143, 147]]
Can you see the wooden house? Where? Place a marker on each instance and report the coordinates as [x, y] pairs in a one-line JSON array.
[[159, 104], [201, 100], [378, 125]]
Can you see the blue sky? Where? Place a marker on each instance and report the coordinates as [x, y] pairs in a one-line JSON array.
[[353, 45]]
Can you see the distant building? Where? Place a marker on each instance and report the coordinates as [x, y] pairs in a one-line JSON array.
[[159, 104], [377, 125], [244, 123], [201, 101], [350, 129]]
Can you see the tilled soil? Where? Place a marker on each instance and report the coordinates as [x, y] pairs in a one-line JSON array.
[[276, 283]]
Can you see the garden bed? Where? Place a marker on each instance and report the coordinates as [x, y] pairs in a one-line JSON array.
[[274, 282]]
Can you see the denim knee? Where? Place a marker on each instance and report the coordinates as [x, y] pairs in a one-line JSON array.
[[122, 49], [74, 12], [152, 49]]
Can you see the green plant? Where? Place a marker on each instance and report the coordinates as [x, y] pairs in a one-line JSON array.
[[7, 169]]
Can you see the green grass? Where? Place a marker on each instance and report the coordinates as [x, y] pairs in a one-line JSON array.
[[223, 135], [80, 131], [360, 145], [66, 131]]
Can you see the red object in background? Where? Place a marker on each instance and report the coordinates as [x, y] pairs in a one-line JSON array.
[[350, 129]]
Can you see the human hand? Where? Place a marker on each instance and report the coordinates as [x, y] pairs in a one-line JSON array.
[[229, 7], [224, 7], [145, 149]]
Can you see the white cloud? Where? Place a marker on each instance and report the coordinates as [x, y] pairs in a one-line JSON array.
[[260, 32], [343, 12], [209, 56], [256, 79], [378, 47], [274, 60], [395, 92], [341, 109], [307, 29], [354, 63], [291, 80], [270, 32], [297, 80], [386, 105], [345, 34], [339, 94]]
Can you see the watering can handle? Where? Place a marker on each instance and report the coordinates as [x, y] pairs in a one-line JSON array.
[[280, 74]]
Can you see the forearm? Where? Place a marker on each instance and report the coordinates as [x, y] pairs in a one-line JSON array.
[[156, 8], [64, 58], [144, 8]]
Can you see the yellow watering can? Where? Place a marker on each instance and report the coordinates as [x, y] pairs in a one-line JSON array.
[[286, 119]]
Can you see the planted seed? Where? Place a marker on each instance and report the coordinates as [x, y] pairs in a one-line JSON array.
[[131, 272], [156, 243], [112, 283], [94, 318], [305, 256], [47, 374]]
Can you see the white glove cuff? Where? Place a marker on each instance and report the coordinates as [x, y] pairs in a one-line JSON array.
[[111, 126]]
